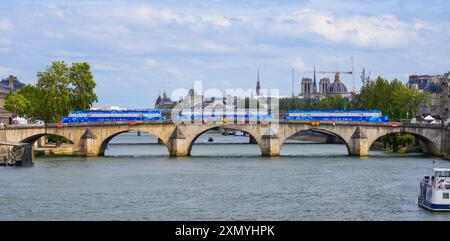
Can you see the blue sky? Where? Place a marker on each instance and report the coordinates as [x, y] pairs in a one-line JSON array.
[[138, 48]]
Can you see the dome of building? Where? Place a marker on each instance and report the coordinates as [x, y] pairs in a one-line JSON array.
[[337, 88]]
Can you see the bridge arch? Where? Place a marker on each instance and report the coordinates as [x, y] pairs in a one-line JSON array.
[[198, 134], [103, 143], [33, 138], [430, 148], [318, 130]]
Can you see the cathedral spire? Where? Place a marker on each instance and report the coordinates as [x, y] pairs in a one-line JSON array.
[[258, 84], [314, 82], [292, 82]]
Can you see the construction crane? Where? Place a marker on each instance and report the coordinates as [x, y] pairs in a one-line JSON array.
[[337, 72]]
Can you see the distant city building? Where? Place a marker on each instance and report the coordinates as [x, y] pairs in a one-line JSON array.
[[7, 86], [306, 87], [326, 88], [195, 99], [323, 86], [337, 88], [164, 102], [437, 86], [430, 83]]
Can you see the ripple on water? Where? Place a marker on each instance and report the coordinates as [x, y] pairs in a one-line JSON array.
[[218, 182]]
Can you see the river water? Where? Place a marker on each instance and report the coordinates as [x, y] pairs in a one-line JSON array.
[[225, 180]]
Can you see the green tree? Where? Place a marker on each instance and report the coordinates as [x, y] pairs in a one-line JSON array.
[[82, 86], [17, 104], [394, 99], [334, 103], [60, 89], [54, 86], [32, 94], [327, 103], [397, 101]]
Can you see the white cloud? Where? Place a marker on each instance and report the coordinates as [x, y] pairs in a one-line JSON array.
[[5, 50], [367, 31], [151, 62], [54, 35], [336, 60], [5, 24], [69, 54], [299, 63], [5, 41], [216, 47], [150, 16], [163, 68], [217, 20], [5, 70], [420, 25], [103, 67], [105, 30], [142, 15], [173, 71], [56, 11]]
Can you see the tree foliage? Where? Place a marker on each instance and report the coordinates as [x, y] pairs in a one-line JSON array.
[[59, 89], [34, 96], [394, 99], [394, 141], [327, 103], [82, 86], [16, 103], [54, 85]]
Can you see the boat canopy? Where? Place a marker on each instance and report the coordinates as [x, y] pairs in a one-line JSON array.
[[442, 172]]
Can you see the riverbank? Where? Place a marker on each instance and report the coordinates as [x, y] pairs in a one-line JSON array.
[[53, 149]]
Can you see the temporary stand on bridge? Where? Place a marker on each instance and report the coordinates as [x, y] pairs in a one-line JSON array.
[[16, 154]]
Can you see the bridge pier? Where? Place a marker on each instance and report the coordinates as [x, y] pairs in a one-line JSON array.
[[431, 150], [270, 145], [89, 145], [358, 145], [178, 144], [445, 144]]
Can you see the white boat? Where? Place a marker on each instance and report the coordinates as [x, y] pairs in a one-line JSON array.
[[239, 133], [435, 190]]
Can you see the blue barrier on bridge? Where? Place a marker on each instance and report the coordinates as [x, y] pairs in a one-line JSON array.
[[337, 115], [113, 115]]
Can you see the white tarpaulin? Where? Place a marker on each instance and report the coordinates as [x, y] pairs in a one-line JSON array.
[[428, 118], [20, 121]]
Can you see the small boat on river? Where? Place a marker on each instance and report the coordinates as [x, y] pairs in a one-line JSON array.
[[435, 190]]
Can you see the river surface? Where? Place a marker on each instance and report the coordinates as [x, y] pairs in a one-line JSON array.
[[225, 180]]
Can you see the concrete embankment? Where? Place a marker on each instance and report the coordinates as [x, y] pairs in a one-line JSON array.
[[64, 149]]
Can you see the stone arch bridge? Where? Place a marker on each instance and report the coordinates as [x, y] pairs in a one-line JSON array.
[[92, 138]]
